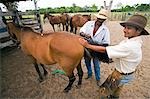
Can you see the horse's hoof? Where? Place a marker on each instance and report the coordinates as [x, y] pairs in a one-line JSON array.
[[65, 91], [78, 86], [40, 80], [45, 77]]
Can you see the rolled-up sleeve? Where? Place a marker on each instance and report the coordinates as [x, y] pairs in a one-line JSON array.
[[118, 51]]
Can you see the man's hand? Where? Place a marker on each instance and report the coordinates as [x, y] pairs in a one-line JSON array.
[[87, 36], [83, 42]]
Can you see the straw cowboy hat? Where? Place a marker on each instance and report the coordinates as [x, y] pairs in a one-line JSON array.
[[102, 14], [137, 21]]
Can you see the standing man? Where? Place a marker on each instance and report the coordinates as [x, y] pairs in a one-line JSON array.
[[128, 55], [99, 34]]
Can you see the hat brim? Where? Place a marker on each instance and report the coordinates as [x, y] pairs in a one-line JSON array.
[[100, 16], [144, 32]]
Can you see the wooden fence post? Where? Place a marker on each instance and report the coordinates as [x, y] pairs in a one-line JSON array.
[[108, 7]]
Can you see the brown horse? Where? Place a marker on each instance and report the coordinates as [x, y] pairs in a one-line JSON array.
[[78, 20], [53, 20], [65, 18], [57, 47], [58, 19]]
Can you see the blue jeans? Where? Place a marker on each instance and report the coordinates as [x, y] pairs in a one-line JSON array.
[[96, 64], [125, 79]]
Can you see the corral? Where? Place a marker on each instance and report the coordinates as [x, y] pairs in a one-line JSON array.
[[19, 78]]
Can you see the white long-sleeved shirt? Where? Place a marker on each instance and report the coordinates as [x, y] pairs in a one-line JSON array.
[[102, 35], [128, 54]]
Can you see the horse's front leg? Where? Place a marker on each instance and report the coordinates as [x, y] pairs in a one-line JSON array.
[[59, 27], [71, 81], [67, 26], [53, 27], [63, 27], [80, 74], [75, 30], [71, 28]]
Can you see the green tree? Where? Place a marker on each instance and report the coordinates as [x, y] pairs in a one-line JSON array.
[[94, 8], [143, 7]]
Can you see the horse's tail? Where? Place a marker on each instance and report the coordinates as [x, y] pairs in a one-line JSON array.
[[71, 25], [87, 53]]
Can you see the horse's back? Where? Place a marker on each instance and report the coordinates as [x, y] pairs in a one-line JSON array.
[[79, 20], [55, 19], [66, 42], [66, 49], [37, 46]]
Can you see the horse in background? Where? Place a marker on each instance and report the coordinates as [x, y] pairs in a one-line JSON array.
[[53, 20], [52, 48], [65, 20], [78, 20], [58, 19]]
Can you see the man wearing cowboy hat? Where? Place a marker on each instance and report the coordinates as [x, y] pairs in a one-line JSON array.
[[98, 34], [128, 55]]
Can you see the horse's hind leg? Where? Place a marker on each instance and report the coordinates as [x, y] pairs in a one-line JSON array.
[[39, 72], [45, 71], [71, 80], [80, 73]]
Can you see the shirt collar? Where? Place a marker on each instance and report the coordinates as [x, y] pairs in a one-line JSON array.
[[138, 38]]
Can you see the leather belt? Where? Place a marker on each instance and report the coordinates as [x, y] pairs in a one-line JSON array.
[[125, 73]]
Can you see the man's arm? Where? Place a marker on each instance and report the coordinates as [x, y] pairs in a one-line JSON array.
[[93, 47]]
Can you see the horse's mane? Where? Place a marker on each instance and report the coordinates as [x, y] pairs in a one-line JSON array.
[[25, 28], [21, 27], [85, 15]]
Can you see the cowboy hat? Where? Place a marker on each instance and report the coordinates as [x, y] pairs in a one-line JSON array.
[[137, 21], [102, 14]]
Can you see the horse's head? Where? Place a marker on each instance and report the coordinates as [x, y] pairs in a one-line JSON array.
[[11, 29], [14, 32], [45, 15]]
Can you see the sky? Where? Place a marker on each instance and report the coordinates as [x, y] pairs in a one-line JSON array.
[[27, 5]]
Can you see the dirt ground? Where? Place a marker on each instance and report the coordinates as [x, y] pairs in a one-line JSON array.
[[19, 78]]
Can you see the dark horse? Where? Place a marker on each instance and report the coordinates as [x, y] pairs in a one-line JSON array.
[[78, 20], [58, 19], [48, 49]]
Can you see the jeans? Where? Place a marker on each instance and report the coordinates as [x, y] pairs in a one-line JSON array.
[[96, 64], [125, 79]]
